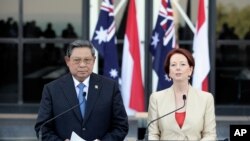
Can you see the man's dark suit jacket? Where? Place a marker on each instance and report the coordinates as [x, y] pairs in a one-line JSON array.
[[105, 115]]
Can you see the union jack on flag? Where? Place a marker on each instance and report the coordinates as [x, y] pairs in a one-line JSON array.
[[104, 40], [162, 41]]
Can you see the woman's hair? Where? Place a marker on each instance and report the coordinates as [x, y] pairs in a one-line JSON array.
[[182, 51]]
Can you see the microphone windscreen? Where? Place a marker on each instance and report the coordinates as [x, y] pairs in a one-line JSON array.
[[184, 97]]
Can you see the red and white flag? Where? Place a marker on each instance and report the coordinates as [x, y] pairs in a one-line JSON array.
[[200, 48], [131, 86]]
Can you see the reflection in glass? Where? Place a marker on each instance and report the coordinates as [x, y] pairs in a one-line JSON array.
[[232, 69], [42, 64], [60, 15], [8, 18], [8, 72]]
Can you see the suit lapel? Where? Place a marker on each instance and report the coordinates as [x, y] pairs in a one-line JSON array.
[[93, 94], [173, 107], [69, 92], [190, 112], [168, 105]]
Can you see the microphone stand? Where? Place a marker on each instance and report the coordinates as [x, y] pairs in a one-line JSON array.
[[41, 127], [146, 134]]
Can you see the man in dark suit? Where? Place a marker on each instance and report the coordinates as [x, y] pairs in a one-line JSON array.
[[101, 116]]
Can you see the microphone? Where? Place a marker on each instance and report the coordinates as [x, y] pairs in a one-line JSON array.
[[184, 99], [48, 121]]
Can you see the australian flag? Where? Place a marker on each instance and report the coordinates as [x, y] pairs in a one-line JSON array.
[[162, 41], [104, 39]]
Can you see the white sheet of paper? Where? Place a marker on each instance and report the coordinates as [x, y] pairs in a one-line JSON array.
[[75, 137]]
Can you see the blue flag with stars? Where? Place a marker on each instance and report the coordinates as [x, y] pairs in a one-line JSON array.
[[162, 41], [104, 39]]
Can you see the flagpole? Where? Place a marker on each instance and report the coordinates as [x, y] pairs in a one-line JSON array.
[[119, 6], [184, 15]]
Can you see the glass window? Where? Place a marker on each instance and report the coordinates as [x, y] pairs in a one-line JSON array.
[[8, 72], [232, 58], [8, 18], [44, 61], [52, 18], [8, 51], [42, 64]]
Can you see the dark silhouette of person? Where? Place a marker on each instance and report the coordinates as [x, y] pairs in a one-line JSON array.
[[50, 53], [247, 37], [32, 51], [8, 28], [224, 32], [230, 53], [8, 51], [31, 30], [69, 32], [13, 31], [49, 33], [2, 27]]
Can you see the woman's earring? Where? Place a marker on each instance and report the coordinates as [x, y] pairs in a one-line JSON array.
[[168, 77]]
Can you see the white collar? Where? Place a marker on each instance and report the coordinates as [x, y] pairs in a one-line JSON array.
[[85, 82]]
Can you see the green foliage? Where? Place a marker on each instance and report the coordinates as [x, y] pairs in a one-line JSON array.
[[234, 17]]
